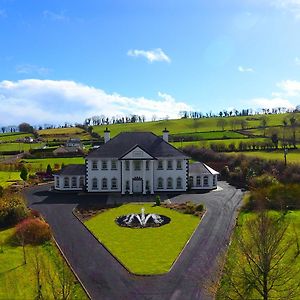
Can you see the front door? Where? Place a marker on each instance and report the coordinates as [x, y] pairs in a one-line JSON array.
[[137, 185]]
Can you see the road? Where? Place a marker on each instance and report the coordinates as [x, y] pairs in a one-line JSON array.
[[105, 278]]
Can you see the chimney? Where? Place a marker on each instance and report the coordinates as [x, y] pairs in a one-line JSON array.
[[106, 135], [166, 135]]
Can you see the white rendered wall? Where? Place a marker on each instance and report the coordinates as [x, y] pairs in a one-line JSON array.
[[61, 180]]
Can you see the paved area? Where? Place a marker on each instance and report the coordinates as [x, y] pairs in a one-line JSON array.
[[105, 278]]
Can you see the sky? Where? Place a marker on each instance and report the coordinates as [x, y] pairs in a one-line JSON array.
[[62, 60]]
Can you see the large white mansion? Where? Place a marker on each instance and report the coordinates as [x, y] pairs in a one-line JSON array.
[[136, 162]]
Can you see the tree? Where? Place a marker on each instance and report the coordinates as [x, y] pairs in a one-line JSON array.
[[49, 170], [263, 123], [266, 266], [275, 140], [24, 173], [293, 122], [222, 123], [25, 127]]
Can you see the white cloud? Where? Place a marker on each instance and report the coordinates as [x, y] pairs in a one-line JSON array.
[[244, 69], [290, 88], [151, 55], [291, 6], [32, 69], [55, 16], [272, 102], [49, 101]]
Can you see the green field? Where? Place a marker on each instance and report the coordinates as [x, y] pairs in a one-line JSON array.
[[18, 280], [11, 137], [7, 178], [213, 135], [293, 218], [6, 147], [188, 125], [144, 251], [40, 164], [292, 157]]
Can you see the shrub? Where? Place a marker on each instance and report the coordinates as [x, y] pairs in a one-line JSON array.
[[264, 180], [32, 231], [1, 191], [199, 207], [24, 173], [157, 200], [12, 210], [189, 208]]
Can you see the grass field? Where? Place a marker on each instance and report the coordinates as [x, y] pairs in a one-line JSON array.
[[7, 178], [292, 156], [63, 134], [293, 218], [18, 280], [188, 125], [6, 147], [144, 251], [13, 136], [213, 135], [40, 164]]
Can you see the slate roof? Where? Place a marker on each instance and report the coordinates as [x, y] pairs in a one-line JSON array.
[[201, 168], [125, 141], [72, 170]]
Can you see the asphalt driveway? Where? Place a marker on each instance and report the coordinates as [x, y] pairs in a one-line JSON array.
[[105, 278]]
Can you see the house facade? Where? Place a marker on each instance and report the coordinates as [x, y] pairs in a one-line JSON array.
[[136, 163]]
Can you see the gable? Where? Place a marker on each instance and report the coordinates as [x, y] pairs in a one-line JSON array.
[[137, 153]]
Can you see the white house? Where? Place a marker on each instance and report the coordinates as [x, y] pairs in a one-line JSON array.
[[136, 162]]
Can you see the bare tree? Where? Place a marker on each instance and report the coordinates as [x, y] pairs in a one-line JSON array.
[[38, 267], [222, 123], [263, 266]]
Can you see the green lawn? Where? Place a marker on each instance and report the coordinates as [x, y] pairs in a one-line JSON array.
[[4, 147], [293, 217], [17, 280], [64, 134], [144, 251], [213, 135], [7, 178], [41, 163], [292, 156]]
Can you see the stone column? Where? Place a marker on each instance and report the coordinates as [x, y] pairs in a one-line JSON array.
[[144, 177], [152, 176], [130, 179]]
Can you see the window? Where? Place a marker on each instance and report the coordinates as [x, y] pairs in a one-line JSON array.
[[114, 183], [81, 182], [94, 184], [198, 181], [66, 182], [170, 165], [205, 180], [215, 180], [137, 165], [94, 165], [160, 183], [114, 165], [127, 188], [147, 165], [104, 165], [170, 183], [74, 182], [179, 165], [104, 184], [191, 181], [127, 165], [160, 165], [179, 183], [147, 185], [57, 182]]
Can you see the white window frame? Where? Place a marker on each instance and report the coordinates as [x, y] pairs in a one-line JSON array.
[[170, 165], [104, 185], [114, 183], [114, 165], [170, 183], [104, 165], [160, 183], [179, 180], [94, 183], [160, 165], [94, 165]]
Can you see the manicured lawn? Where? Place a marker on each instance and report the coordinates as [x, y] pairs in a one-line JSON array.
[[293, 217], [144, 251], [41, 163], [7, 178], [292, 156], [18, 281]]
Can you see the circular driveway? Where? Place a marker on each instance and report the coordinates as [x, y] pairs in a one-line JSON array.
[[105, 278]]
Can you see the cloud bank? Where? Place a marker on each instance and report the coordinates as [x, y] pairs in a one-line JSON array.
[[151, 55], [49, 101]]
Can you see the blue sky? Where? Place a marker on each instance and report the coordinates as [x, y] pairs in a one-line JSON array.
[[66, 60]]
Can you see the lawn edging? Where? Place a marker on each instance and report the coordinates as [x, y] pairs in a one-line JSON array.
[[142, 275]]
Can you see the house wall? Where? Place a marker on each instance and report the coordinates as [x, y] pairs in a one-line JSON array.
[[210, 184], [59, 182]]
